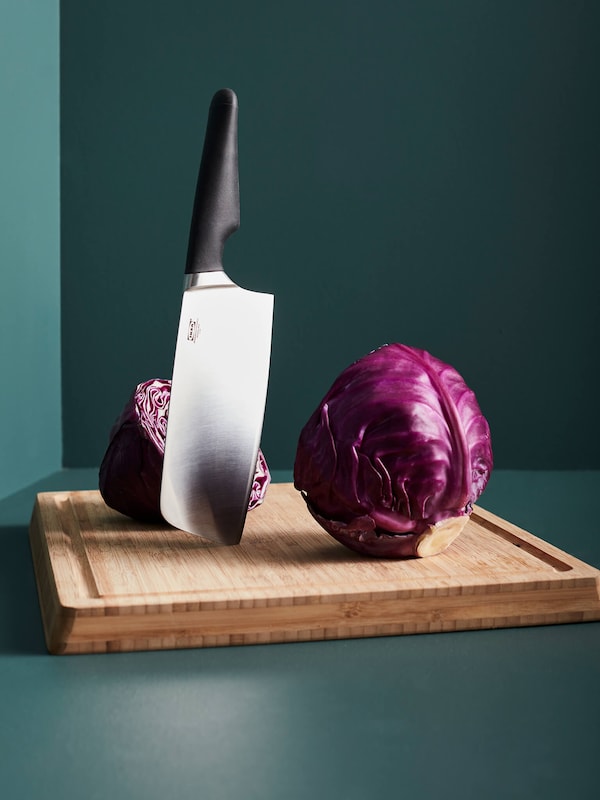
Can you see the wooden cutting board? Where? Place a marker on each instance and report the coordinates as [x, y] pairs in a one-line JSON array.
[[107, 583]]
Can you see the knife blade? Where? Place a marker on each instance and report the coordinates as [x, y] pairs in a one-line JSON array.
[[222, 357]]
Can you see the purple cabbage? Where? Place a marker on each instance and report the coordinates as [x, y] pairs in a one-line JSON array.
[[131, 470], [397, 447]]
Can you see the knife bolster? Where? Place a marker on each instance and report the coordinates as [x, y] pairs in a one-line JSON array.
[[202, 279]]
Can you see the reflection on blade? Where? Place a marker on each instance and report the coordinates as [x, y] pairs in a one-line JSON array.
[[216, 410]]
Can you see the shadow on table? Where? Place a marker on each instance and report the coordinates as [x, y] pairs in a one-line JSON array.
[[21, 628]]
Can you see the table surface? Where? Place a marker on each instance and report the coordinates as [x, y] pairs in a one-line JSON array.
[[481, 714]]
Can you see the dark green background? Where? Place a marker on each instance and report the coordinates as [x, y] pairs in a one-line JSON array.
[[425, 172]]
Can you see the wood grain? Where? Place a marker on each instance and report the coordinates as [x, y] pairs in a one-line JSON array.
[[107, 583]]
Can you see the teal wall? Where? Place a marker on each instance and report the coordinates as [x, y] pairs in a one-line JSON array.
[[425, 172], [30, 415]]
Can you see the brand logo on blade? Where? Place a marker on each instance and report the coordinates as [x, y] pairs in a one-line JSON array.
[[193, 330]]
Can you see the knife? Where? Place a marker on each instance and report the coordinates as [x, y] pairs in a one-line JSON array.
[[222, 356]]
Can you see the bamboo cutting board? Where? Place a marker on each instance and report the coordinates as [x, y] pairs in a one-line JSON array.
[[107, 583]]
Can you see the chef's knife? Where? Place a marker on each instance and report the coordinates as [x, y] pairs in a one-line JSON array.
[[222, 356]]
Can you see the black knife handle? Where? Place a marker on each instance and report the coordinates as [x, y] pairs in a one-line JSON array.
[[216, 212]]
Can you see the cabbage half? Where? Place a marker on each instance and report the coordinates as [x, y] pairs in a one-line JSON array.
[[393, 458], [131, 470]]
